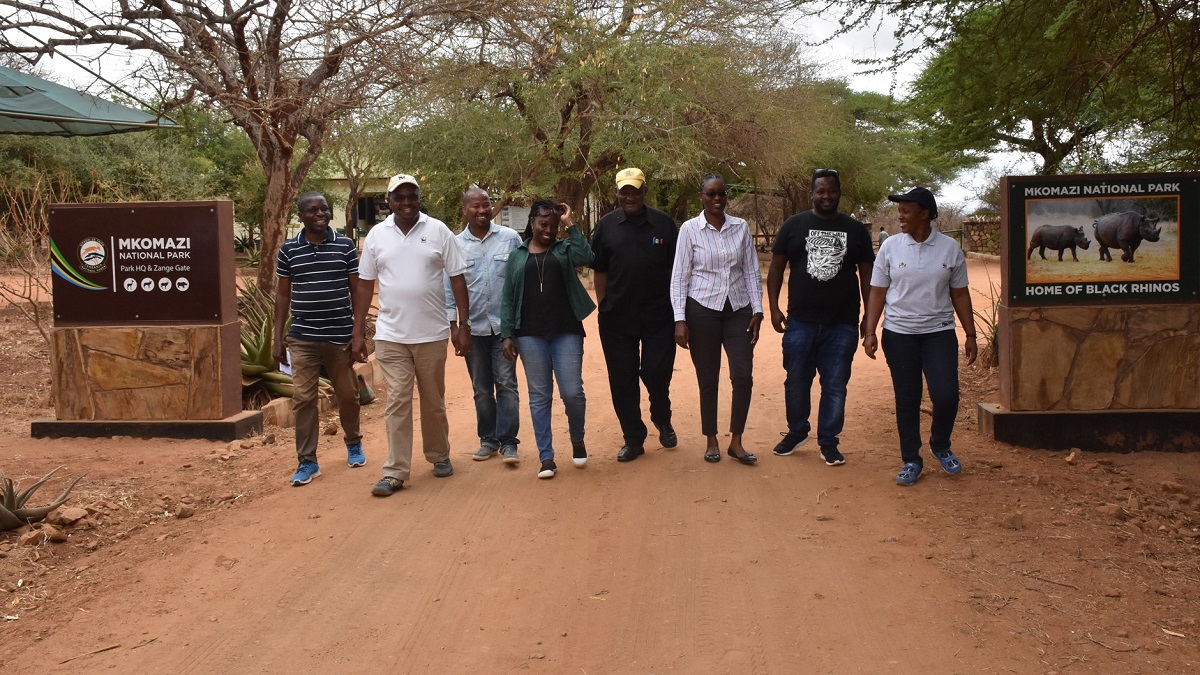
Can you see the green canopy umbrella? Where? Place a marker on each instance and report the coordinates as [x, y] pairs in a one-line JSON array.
[[31, 105]]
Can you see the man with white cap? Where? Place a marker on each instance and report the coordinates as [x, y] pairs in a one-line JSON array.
[[635, 250], [408, 253]]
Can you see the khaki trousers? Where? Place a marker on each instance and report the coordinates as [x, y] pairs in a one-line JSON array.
[[307, 357], [402, 364]]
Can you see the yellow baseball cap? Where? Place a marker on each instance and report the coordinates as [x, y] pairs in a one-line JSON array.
[[630, 176]]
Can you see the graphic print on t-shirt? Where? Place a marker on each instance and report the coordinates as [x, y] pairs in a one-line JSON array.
[[826, 250]]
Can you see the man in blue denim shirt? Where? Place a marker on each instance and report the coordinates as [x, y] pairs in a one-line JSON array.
[[494, 378]]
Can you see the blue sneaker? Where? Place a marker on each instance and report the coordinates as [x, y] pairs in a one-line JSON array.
[[354, 455], [307, 471]]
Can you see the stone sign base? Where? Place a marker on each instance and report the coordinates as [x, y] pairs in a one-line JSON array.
[[1093, 430], [166, 373], [241, 425]]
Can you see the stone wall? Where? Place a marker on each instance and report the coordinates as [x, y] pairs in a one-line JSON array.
[[1100, 358], [981, 234], [147, 372]]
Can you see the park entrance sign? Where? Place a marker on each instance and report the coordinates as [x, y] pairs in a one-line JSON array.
[[1099, 313], [1082, 240], [146, 338]]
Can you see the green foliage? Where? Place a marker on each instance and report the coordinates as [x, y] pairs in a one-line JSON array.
[[14, 513], [552, 106], [1084, 86]]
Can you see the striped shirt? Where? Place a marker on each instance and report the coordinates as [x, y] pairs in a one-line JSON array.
[[713, 265], [320, 276]]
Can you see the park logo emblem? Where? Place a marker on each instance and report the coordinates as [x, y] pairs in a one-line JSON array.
[[63, 269], [93, 255]]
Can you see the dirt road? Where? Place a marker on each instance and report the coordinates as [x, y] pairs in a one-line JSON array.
[[665, 564]]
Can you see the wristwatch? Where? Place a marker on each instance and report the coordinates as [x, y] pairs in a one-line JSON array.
[[758, 315]]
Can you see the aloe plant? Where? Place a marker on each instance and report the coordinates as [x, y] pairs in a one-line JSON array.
[[261, 381], [14, 513]]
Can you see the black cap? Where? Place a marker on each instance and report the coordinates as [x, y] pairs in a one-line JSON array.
[[921, 196]]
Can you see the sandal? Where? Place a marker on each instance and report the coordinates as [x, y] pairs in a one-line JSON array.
[[949, 462], [714, 456], [909, 473]]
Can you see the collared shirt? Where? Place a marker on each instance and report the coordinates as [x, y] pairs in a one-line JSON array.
[[712, 265], [410, 269], [320, 277], [918, 277], [637, 253], [486, 259]]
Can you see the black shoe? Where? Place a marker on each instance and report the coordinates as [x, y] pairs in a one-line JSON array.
[[744, 459], [789, 444], [666, 435], [579, 453], [629, 453], [714, 456], [832, 457]]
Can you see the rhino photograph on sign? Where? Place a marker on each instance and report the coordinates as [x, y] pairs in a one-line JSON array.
[[1111, 238]]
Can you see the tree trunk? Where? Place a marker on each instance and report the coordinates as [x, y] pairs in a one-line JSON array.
[[276, 204], [353, 183]]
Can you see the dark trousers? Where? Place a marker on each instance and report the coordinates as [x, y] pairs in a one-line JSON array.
[[908, 357], [653, 364], [709, 331]]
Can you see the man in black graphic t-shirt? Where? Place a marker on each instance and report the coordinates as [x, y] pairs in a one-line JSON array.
[[830, 255]]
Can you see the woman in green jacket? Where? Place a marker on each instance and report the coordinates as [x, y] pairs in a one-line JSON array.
[[541, 318]]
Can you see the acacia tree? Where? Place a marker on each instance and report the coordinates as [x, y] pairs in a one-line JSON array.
[[283, 70], [355, 147], [595, 84], [1067, 81]]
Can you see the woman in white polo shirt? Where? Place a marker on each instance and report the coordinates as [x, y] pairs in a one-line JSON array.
[[920, 276]]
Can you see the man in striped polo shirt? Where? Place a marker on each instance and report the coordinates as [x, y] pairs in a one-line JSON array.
[[318, 274]]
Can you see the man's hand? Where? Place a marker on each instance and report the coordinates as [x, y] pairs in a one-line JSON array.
[[509, 349], [357, 348], [279, 352], [462, 342], [778, 320]]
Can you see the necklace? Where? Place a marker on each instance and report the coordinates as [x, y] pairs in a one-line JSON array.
[[540, 263]]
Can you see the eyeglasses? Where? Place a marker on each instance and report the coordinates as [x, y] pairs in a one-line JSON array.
[[313, 210], [713, 194], [400, 197]]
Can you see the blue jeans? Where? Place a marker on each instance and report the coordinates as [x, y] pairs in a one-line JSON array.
[[809, 349], [497, 402], [908, 357], [546, 360]]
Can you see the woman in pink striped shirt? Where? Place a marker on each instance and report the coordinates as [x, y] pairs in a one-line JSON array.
[[716, 294]]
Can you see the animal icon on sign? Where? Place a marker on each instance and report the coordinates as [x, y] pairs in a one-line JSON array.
[[164, 284], [147, 284], [182, 284], [131, 285]]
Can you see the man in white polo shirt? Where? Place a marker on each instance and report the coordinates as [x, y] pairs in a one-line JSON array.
[[408, 253]]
